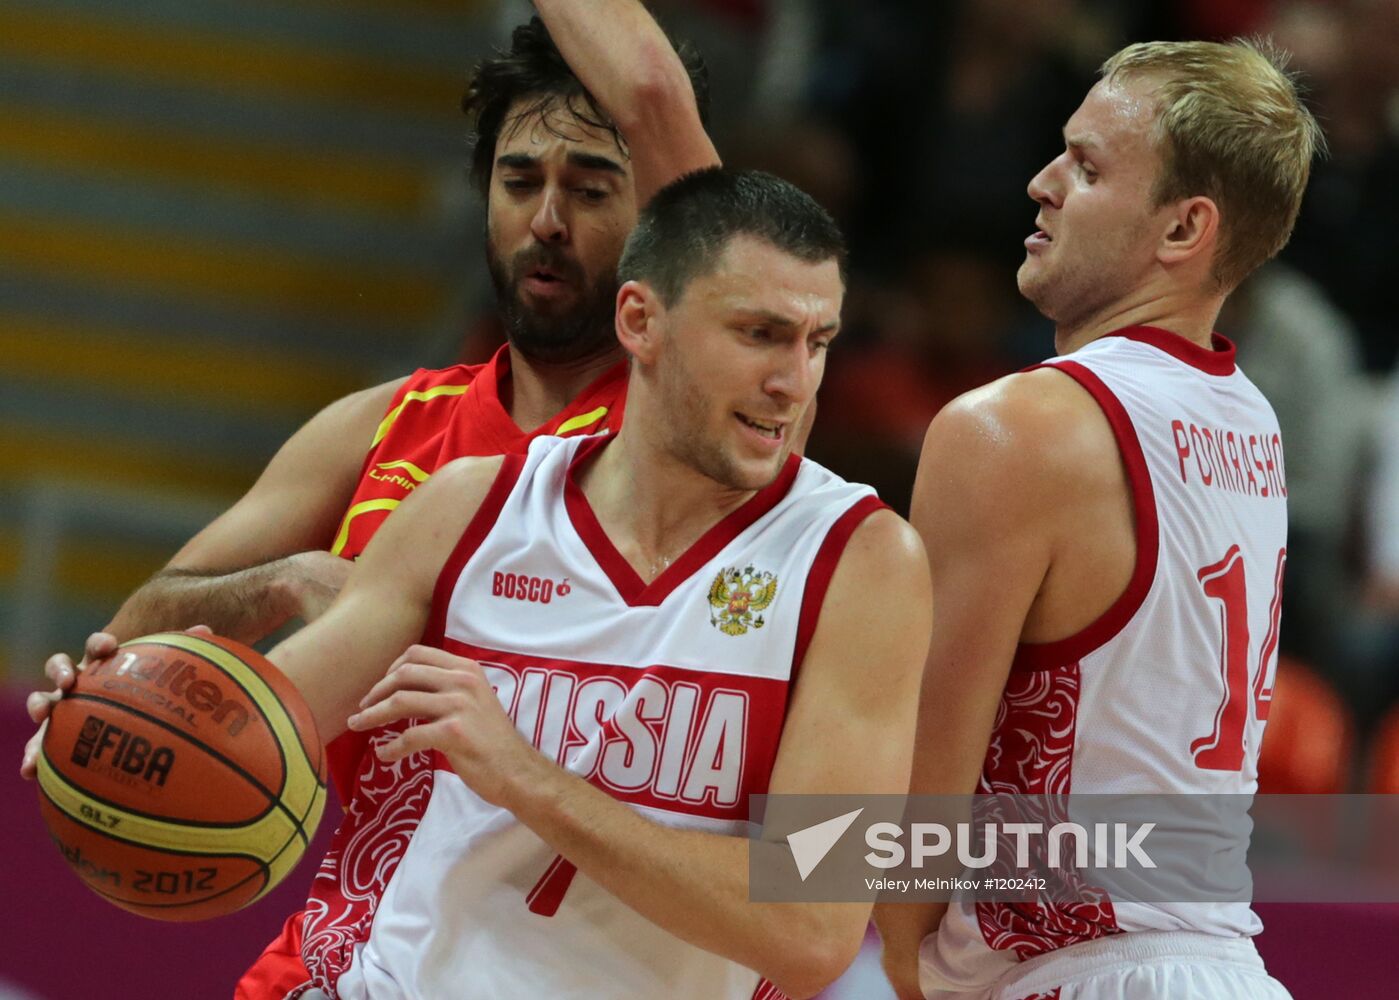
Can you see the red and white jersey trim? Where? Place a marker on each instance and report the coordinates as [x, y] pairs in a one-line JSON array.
[[670, 696], [1041, 656], [1195, 629]]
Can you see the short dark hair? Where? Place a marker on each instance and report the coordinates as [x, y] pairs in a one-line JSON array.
[[534, 68], [686, 227]]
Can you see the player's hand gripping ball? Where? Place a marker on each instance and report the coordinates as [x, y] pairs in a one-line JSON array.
[[182, 778]]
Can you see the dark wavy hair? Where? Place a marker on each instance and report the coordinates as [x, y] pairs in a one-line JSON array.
[[533, 69]]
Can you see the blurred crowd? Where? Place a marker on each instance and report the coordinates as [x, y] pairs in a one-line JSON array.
[[919, 125]]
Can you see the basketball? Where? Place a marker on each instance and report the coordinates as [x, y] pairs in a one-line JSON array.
[[182, 778]]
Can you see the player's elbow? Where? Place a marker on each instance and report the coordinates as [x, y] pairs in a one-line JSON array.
[[809, 964], [659, 92]]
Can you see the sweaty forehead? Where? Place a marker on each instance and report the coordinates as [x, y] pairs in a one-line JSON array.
[[538, 125], [1118, 114], [754, 274]]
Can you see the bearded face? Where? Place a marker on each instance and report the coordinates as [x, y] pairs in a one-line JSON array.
[[561, 205], [553, 312]]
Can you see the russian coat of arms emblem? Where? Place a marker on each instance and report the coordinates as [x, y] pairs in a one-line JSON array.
[[738, 597]]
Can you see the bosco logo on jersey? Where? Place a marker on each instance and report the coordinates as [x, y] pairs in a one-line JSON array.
[[522, 587]]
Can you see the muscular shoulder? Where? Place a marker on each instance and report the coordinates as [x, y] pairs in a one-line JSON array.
[[884, 556], [325, 454], [872, 634], [1021, 441], [461, 484], [883, 547]]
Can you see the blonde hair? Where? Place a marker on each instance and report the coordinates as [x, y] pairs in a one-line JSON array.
[[1230, 126]]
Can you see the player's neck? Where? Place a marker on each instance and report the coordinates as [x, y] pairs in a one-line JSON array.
[[1191, 317], [535, 392], [652, 505]]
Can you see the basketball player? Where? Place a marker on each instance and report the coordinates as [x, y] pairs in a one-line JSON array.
[[1107, 531], [623, 637], [563, 170]]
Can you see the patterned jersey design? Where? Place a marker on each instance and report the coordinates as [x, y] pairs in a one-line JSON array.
[[1031, 751]]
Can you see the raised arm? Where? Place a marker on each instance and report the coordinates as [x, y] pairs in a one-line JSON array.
[[849, 730], [624, 59]]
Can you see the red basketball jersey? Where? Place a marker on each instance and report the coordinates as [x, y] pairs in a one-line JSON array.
[[439, 415]]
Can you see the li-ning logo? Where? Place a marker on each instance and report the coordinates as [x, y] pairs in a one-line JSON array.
[[403, 474], [130, 754], [536, 589], [736, 595]]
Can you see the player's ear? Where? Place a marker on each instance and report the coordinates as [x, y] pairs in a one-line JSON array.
[[639, 315], [1191, 228]]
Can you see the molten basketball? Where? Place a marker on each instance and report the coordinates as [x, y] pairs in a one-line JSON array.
[[182, 778]]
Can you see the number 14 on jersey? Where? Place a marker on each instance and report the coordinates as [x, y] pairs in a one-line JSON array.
[[1225, 582]]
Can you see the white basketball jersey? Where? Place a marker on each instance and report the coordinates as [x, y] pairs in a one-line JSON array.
[[670, 696], [1168, 691]]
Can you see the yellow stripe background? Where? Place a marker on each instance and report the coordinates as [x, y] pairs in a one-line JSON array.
[[186, 56], [98, 145], [244, 276]]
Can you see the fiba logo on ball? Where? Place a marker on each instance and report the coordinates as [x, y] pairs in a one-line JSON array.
[[87, 738], [132, 755]]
